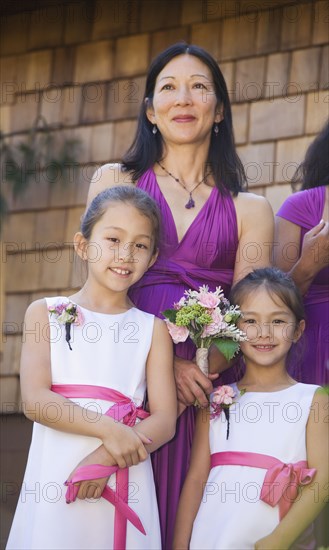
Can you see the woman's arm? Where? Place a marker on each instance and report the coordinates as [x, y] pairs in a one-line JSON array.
[[108, 175], [255, 230], [312, 497], [43, 405], [303, 265], [256, 233], [191, 383], [195, 482]]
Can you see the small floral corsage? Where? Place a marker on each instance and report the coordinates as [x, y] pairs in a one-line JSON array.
[[221, 400], [67, 314]]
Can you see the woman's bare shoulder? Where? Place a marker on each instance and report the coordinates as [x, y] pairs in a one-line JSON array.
[[253, 211], [246, 197], [108, 175], [250, 203]]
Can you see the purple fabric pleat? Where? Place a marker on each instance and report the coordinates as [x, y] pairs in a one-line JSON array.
[[205, 255], [309, 361]]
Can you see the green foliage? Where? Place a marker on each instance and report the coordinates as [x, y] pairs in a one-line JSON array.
[[227, 347], [170, 314], [42, 151]]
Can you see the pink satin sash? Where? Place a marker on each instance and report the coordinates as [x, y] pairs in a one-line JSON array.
[[123, 409], [281, 481]]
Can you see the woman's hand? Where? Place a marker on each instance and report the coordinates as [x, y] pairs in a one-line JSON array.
[[93, 488], [217, 361], [310, 258], [191, 383], [126, 446], [315, 248]]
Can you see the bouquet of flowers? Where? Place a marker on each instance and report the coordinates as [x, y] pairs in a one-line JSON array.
[[207, 318]]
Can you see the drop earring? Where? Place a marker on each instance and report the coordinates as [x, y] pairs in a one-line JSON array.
[[154, 129], [216, 129]]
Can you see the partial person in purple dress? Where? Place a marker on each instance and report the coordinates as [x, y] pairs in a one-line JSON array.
[[302, 249], [184, 156]]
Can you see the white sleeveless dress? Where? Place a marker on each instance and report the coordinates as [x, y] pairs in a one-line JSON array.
[[109, 351], [231, 515]]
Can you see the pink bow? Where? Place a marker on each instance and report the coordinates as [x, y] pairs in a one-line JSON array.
[[281, 484], [280, 478], [118, 497], [124, 409]]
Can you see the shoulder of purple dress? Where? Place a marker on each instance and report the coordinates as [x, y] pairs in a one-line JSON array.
[[146, 179], [218, 196], [304, 207]]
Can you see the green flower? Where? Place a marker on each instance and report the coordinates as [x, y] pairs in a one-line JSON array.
[[188, 314], [228, 317], [204, 319]]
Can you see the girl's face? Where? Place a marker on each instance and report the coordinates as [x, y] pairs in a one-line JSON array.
[[271, 329], [184, 104], [120, 248]]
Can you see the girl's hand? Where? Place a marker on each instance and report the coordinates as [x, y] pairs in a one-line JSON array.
[[270, 542], [191, 383], [126, 446], [93, 488]]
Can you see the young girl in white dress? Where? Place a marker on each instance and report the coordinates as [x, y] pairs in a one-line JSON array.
[[259, 467], [86, 363]]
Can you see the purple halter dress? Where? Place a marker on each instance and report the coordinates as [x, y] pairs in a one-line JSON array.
[[205, 255], [310, 362]]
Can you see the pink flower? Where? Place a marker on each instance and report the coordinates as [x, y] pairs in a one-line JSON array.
[[217, 324], [80, 318], [208, 299], [180, 304], [178, 334], [57, 308], [224, 395]]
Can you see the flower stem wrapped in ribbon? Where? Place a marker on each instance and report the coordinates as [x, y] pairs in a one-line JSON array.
[[67, 314], [207, 318]]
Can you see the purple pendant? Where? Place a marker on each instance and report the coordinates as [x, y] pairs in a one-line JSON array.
[[190, 204]]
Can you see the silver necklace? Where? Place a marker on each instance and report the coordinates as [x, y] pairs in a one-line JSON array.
[[191, 202]]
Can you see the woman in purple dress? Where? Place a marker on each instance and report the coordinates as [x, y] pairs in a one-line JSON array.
[[302, 249], [184, 156]]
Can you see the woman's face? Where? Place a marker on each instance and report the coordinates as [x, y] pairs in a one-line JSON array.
[[184, 104]]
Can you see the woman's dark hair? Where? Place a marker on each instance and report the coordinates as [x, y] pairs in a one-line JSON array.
[[125, 194], [277, 283], [147, 148], [314, 170]]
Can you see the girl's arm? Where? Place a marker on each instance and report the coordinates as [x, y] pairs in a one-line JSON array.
[[312, 497], [50, 409], [256, 233], [159, 427], [195, 482], [302, 265], [161, 390]]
